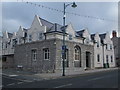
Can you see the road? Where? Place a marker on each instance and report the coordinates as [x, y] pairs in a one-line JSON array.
[[106, 79]]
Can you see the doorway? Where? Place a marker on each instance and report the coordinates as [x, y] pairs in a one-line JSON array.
[[88, 59]]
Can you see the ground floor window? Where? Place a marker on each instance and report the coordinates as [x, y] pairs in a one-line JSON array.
[[98, 58], [77, 60], [46, 54], [34, 55], [111, 58]]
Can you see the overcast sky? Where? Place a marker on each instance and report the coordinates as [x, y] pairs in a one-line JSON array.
[[15, 14]]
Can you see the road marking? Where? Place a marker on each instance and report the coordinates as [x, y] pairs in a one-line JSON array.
[[1, 86], [63, 85], [13, 75], [17, 79], [20, 82], [10, 84], [95, 78], [99, 78]]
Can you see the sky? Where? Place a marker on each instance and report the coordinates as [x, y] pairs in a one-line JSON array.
[[15, 14]]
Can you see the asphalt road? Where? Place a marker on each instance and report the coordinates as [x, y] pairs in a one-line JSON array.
[[107, 79]]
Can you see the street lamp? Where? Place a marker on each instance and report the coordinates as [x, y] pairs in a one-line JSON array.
[[64, 47]]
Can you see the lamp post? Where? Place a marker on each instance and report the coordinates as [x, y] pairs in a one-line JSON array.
[[64, 47]]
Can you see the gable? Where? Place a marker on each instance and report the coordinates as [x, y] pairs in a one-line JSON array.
[[70, 30]]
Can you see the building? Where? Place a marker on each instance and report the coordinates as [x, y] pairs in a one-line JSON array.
[[39, 48], [103, 50], [116, 43]]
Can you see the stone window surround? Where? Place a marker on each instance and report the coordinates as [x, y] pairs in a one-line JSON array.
[[46, 53], [34, 54]]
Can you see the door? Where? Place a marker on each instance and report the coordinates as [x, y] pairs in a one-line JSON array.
[[88, 59]]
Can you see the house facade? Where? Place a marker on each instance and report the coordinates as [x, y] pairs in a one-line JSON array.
[[116, 43], [39, 48]]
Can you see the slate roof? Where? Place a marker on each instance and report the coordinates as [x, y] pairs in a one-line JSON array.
[[53, 27], [10, 35], [46, 23], [102, 36], [93, 37], [80, 33]]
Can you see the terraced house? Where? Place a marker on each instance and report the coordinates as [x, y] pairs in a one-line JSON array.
[[39, 48]]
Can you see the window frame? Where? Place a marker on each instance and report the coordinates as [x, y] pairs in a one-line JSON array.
[[34, 54], [46, 54]]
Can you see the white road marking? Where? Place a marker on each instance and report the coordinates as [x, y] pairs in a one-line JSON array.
[[98, 78], [63, 85], [20, 82], [1, 86], [10, 84], [17, 79], [13, 75]]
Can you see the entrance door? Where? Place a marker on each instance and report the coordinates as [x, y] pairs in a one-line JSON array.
[[88, 59]]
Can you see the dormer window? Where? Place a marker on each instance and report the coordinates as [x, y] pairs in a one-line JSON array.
[[70, 37], [14, 42], [87, 40], [97, 44], [106, 46], [40, 36], [110, 47], [30, 38]]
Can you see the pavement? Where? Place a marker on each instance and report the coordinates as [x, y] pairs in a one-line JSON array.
[[25, 75]]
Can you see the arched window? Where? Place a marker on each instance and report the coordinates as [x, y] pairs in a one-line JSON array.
[[77, 59]]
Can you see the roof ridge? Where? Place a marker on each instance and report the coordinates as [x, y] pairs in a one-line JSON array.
[[46, 20]]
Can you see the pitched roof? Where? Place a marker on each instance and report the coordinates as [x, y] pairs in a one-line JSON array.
[[10, 35], [92, 36], [80, 33], [46, 23], [102, 36]]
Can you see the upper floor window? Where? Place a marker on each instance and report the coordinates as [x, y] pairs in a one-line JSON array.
[[110, 47], [107, 58], [34, 55], [87, 40], [97, 44], [30, 38], [14, 42], [106, 46], [6, 45], [70, 37], [98, 58], [46, 54], [40, 36]]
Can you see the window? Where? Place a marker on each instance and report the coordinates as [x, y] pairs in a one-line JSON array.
[[77, 61], [87, 40], [4, 59], [106, 46], [107, 58], [111, 58], [14, 42], [34, 55], [40, 36], [6, 45], [110, 47], [46, 54], [97, 44], [70, 37], [30, 38], [98, 58]]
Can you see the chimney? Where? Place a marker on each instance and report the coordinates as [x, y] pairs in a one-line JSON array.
[[114, 34]]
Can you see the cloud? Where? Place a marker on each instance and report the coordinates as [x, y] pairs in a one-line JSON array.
[[11, 25]]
